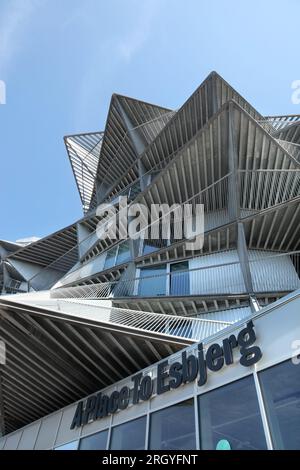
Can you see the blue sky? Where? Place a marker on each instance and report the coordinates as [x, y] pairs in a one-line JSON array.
[[61, 61]]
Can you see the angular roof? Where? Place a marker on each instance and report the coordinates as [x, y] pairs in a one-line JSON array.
[[84, 152], [215, 149], [118, 151], [49, 249]]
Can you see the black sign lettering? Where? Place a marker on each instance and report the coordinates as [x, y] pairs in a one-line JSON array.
[[192, 367]]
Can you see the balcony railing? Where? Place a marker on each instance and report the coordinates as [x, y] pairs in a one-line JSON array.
[[171, 325], [279, 123], [259, 190], [270, 273]]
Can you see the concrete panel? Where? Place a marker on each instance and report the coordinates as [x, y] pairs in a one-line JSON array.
[[12, 441], [29, 436], [2, 442], [48, 431], [96, 426], [131, 412], [65, 434], [174, 396]]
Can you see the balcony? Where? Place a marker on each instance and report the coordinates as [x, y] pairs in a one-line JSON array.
[[216, 274]]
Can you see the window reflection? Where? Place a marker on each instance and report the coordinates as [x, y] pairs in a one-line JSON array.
[[152, 281], [231, 413], [129, 436], [110, 258], [96, 441], [281, 392], [123, 253], [180, 279], [173, 427], [69, 446]]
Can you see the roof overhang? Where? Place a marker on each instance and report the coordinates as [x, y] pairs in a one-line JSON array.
[[54, 358]]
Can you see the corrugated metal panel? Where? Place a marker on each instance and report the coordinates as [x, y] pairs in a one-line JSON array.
[[216, 279], [272, 273]]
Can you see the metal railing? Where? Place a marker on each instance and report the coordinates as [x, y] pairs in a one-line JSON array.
[[217, 279], [291, 147], [259, 189], [174, 326], [277, 123]]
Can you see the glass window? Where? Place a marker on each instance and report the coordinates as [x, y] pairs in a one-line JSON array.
[[110, 258], [123, 253], [152, 282], [173, 427], [134, 190], [149, 247], [180, 281], [281, 392], [231, 415], [69, 446], [152, 245], [129, 436], [96, 441]]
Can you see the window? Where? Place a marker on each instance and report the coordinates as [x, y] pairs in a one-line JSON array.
[[149, 247], [110, 258], [123, 253], [231, 414], [153, 245], [129, 436], [173, 427], [281, 392], [134, 190], [69, 446], [96, 441], [153, 281], [180, 281]]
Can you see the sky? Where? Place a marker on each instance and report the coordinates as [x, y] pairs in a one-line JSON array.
[[61, 60]]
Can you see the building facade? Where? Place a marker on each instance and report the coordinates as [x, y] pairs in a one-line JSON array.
[[92, 310]]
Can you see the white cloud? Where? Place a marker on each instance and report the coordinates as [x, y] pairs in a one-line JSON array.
[[133, 42], [13, 22]]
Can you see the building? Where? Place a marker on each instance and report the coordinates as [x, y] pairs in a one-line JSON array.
[[92, 311]]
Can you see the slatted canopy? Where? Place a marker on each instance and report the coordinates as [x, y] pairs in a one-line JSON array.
[[54, 359], [200, 171], [117, 163], [84, 152], [47, 250]]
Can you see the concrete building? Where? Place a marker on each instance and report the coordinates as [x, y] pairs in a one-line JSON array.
[[91, 311]]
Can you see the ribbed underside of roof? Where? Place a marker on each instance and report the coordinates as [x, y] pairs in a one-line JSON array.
[[54, 359], [60, 247], [84, 152]]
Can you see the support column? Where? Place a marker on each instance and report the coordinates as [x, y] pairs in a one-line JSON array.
[[234, 210], [243, 257], [233, 181]]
